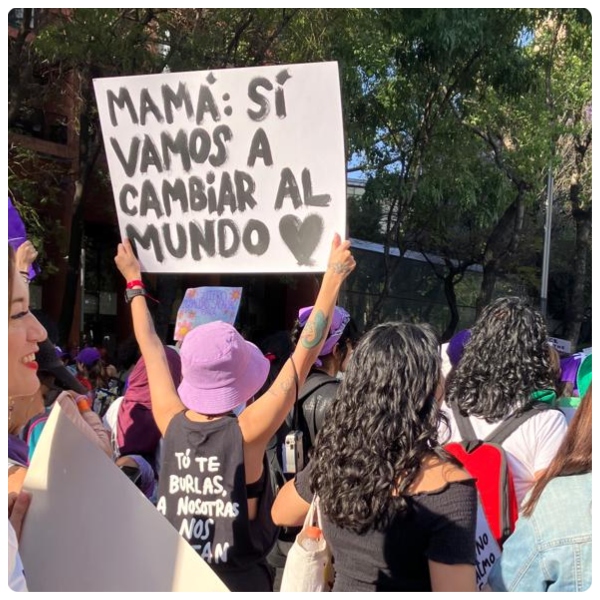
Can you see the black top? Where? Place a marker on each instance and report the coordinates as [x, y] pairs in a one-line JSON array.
[[438, 526], [202, 492]]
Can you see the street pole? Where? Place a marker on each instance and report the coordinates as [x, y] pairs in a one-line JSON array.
[[82, 291], [547, 234]]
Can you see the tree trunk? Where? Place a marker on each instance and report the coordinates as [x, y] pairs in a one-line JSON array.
[[73, 268], [583, 242], [450, 292], [89, 149], [488, 284], [501, 245]]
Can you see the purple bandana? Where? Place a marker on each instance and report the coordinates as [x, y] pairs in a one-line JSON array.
[[338, 323]]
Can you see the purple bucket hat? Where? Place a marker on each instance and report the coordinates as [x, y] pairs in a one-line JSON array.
[[338, 323], [220, 369]]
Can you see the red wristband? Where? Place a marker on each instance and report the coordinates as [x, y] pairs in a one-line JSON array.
[[135, 283]]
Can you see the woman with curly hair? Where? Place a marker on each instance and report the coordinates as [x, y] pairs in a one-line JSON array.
[[399, 513], [506, 361]]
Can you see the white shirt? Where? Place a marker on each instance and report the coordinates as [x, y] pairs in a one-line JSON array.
[[529, 449]]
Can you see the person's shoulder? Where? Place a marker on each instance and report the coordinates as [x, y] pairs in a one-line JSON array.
[[319, 383], [437, 475], [320, 377], [550, 419]]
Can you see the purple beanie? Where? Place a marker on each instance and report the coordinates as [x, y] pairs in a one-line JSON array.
[[88, 356], [456, 346]]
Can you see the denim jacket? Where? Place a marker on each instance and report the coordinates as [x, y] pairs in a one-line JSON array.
[[551, 551]]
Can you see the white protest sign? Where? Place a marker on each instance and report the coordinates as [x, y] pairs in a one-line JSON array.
[[89, 529], [488, 550], [227, 171], [560, 344]]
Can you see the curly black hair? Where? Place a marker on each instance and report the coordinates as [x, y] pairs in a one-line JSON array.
[[383, 423], [505, 360]]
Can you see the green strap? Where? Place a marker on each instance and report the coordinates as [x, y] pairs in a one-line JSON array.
[[547, 396]]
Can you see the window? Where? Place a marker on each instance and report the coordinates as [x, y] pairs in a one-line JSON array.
[[16, 16]]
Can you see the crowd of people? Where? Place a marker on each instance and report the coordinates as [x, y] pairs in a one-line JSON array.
[[373, 413]]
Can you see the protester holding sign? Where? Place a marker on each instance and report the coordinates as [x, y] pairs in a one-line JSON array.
[[213, 484], [25, 332], [398, 512]]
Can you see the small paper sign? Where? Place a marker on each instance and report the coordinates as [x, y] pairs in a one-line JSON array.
[[560, 344], [204, 305], [488, 550]]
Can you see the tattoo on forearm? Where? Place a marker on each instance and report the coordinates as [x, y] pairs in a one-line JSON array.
[[314, 331], [339, 268], [286, 384]]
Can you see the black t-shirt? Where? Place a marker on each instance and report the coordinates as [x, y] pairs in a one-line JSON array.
[[438, 526], [202, 492]]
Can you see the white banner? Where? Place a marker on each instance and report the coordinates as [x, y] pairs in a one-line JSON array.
[[90, 529], [227, 171]]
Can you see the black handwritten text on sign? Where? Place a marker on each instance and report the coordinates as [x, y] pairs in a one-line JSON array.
[[210, 169]]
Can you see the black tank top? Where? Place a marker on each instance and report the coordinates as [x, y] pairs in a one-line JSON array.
[[202, 493]]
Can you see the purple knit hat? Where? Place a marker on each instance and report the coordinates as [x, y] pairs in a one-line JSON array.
[[338, 323], [456, 346], [88, 356], [220, 369]]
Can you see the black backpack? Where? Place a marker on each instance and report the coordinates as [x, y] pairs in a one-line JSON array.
[[315, 400], [308, 414]]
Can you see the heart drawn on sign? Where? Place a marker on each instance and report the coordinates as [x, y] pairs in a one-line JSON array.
[[302, 237]]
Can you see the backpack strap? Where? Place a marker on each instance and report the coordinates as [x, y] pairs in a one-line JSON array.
[[465, 428], [506, 428], [513, 422], [312, 417], [314, 382]]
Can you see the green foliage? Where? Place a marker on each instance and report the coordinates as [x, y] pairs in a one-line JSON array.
[[450, 112], [457, 112], [364, 217], [36, 202]]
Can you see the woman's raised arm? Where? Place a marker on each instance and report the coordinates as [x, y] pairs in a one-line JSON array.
[[165, 401], [262, 418]]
